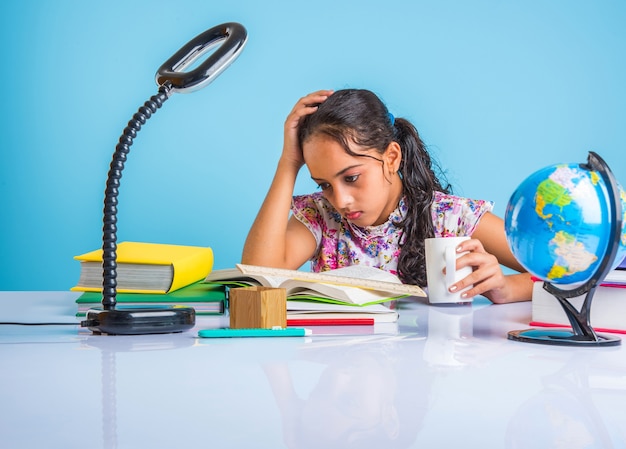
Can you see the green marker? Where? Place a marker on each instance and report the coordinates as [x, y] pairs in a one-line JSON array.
[[280, 332]]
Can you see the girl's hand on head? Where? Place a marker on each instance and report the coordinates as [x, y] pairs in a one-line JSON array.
[[306, 105], [487, 277]]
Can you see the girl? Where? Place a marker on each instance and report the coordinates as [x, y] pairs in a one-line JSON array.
[[379, 200]]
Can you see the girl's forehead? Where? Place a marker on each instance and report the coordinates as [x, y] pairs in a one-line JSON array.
[[322, 142], [325, 152], [333, 156]]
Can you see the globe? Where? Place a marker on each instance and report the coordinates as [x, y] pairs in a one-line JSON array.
[[557, 223]]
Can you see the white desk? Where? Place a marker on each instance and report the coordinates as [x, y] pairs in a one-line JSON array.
[[448, 378]]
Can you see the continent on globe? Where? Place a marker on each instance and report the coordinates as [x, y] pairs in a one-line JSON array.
[[552, 191], [571, 256]]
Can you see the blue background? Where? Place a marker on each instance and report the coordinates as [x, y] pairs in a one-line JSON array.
[[498, 89]]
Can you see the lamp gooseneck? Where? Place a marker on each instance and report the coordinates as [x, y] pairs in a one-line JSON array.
[[109, 229]]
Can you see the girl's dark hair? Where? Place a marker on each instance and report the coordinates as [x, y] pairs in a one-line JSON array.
[[358, 116]]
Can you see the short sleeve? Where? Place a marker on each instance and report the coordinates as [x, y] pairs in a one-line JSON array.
[[306, 211], [456, 216]]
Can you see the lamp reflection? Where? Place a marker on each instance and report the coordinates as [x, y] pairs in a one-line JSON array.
[[108, 350]]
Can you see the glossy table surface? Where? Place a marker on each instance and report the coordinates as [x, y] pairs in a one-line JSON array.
[[443, 377]]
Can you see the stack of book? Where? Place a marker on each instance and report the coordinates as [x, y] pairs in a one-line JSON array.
[[351, 292], [608, 305], [153, 274]]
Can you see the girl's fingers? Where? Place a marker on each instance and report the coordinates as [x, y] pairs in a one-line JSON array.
[[312, 100], [306, 105]]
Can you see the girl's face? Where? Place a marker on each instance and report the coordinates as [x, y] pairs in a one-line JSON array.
[[364, 190]]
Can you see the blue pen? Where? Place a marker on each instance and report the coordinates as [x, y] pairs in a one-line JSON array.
[[281, 332]]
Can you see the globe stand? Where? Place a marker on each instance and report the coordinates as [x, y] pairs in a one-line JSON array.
[[581, 332]]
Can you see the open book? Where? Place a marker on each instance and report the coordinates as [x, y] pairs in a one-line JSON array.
[[355, 285]]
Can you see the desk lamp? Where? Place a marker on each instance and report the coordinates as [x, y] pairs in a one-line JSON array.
[[171, 77]]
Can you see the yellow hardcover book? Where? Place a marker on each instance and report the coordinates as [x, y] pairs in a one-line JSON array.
[[147, 267]]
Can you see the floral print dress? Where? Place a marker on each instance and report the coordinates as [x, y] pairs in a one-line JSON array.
[[340, 243]]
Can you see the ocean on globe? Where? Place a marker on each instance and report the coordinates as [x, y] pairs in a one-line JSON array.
[[556, 223]]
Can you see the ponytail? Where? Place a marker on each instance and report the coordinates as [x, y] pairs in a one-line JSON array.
[[419, 181]]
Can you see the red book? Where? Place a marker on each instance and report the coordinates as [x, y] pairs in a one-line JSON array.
[[330, 322], [567, 326]]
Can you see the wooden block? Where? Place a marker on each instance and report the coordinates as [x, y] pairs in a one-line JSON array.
[[258, 307]]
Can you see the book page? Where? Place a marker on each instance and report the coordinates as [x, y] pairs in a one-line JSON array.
[[233, 274], [365, 272], [342, 293]]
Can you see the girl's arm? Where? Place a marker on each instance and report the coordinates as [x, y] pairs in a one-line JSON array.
[[275, 239], [488, 250], [490, 231]]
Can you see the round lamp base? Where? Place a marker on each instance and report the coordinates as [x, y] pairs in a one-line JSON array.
[[140, 320]]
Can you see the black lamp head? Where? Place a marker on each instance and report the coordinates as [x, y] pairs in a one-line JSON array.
[[232, 37]]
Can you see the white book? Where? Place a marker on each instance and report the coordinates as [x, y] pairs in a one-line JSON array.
[[608, 308], [312, 310]]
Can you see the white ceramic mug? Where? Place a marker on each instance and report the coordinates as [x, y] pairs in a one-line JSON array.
[[441, 253]]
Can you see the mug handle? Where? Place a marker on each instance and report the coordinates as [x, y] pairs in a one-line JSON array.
[[450, 258]]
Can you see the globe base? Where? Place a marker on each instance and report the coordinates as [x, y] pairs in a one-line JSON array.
[[562, 337]]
